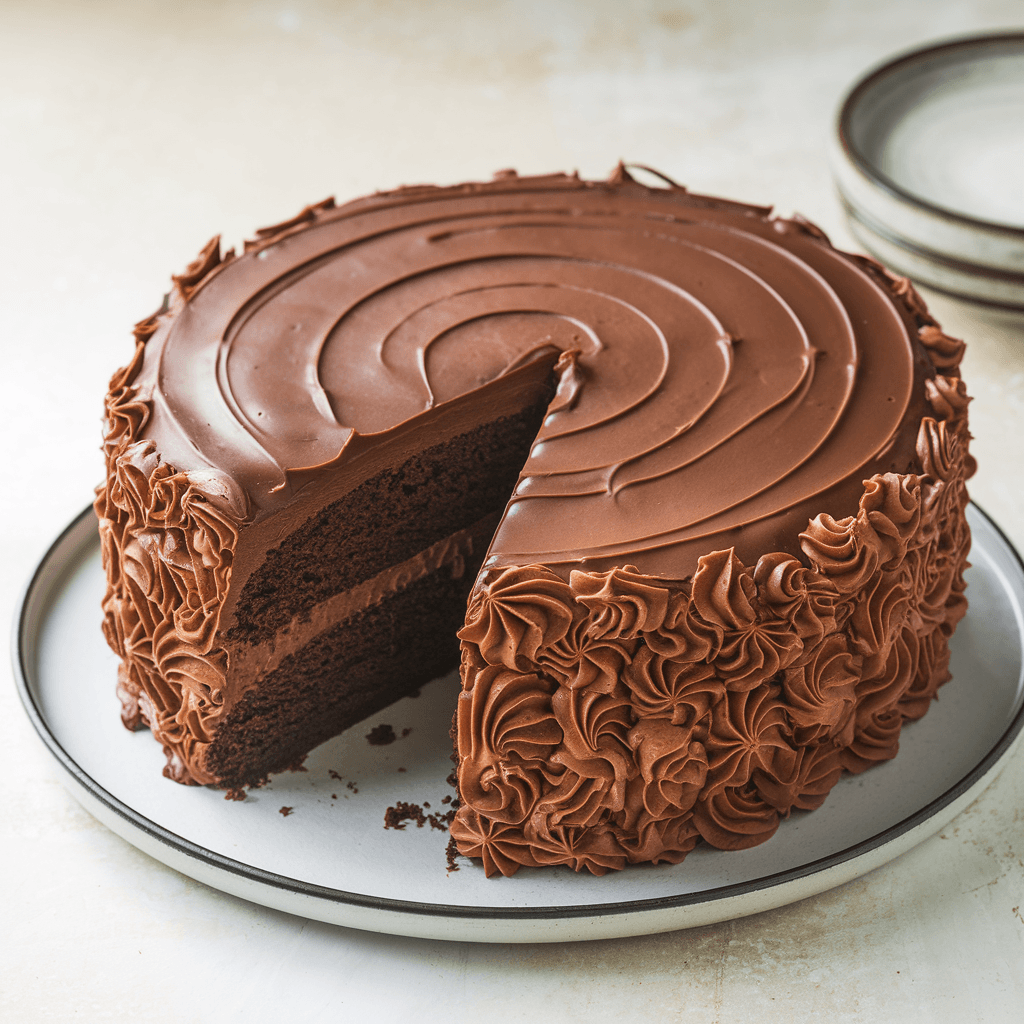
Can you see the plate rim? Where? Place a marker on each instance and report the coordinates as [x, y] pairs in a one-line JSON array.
[[918, 55], [37, 588]]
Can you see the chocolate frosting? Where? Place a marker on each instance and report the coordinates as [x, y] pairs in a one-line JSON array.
[[693, 339], [733, 559], [620, 718]]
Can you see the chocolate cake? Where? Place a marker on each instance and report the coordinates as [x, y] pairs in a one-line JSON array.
[[699, 476]]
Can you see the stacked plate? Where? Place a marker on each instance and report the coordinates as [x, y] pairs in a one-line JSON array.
[[929, 161]]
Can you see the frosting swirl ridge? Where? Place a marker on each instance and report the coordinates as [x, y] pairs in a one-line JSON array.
[[680, 331]]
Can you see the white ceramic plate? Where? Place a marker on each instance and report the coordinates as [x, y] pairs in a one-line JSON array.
[[331, 859], [928, 156]]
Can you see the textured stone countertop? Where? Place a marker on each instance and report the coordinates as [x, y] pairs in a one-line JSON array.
[[130, 133]]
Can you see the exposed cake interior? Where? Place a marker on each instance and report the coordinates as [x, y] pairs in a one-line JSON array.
[[361, 604]]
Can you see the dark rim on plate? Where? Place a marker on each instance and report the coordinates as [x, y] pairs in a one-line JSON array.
[[383, 903], [873, 174]]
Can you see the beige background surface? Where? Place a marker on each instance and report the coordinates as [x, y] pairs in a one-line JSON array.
[[130, 133]]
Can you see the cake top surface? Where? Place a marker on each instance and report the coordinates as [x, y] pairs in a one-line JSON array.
[[720, 374]]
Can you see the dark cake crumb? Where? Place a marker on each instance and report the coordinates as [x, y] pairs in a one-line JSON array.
[[441, 821], [406, 731], [395, 817], [403, 811], [352, 786], [334, 775], [235, 794], [334, 796], [451, 852], [381, 735], [285, 811]]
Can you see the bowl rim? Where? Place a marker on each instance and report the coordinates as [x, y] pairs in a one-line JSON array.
[[874, 175]]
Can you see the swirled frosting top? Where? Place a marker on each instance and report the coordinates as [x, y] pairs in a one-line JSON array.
[[722, 376]]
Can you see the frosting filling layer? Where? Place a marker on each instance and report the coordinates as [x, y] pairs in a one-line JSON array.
[[452, 554]]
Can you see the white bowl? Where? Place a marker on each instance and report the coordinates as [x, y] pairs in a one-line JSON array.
[[928, 157]]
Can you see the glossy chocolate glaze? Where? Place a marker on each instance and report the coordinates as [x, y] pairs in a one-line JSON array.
[[697, 340]]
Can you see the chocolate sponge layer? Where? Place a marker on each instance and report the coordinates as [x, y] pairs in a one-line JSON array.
[[345, 674]]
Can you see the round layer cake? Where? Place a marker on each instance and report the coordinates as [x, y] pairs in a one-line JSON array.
[[699, 476]]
